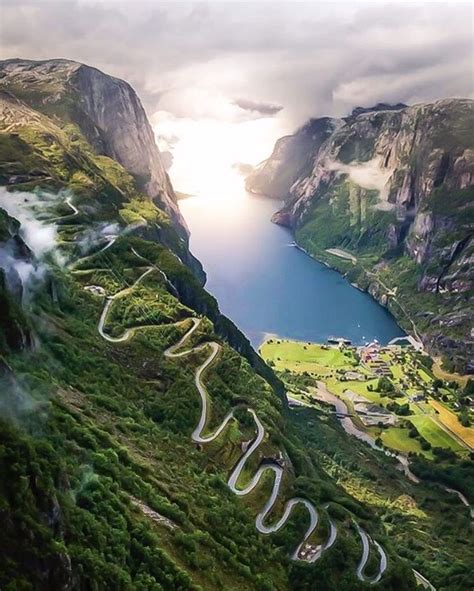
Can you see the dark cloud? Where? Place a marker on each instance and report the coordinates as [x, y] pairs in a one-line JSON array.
[[316, 58], [264, 109]]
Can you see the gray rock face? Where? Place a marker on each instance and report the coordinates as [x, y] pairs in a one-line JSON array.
[[291, 159], [107, 110], [390, 181], [418, 148]]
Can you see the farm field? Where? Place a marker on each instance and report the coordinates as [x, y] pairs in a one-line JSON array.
[[300, 356], [433, 433], [450, 420], [406, 392], [398, 439]]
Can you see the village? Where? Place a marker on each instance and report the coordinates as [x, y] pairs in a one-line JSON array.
[[394, 394]]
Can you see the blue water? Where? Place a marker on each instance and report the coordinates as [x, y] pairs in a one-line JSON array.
[[269, 287]]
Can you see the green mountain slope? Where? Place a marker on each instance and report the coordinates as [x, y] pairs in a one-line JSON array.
[[103, 485], [394, 187]]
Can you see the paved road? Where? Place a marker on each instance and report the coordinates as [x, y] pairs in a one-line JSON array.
[[366, 541], [176, 351]]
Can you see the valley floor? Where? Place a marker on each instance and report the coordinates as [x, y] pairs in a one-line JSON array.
[[391, 392], [390, 398]]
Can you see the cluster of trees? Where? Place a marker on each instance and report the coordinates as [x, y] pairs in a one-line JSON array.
[[402, 410], [66, 493], [415, 434], [385, 386], [451, 471]]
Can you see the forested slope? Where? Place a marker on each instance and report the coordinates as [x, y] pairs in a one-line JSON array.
[[102, 486]]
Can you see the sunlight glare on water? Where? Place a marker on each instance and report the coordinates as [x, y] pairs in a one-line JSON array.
[[267, 286], [261, 281]]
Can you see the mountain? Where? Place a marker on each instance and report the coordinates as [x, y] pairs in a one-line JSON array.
[[126, 441], [391, 189], [291, 157], [108, 112]]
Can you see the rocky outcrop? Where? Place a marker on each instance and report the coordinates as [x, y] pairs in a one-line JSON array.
[[108, 112], [291, 159], [15, 333], [418, 149], [391, 182]]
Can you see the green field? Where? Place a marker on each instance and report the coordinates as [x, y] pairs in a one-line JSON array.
[[397, 371], [434, 433], [339, 387], [300, 356], [397, 438], [323, 362], [424, 376]]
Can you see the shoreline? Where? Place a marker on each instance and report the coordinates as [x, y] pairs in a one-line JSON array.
[[355, 285]]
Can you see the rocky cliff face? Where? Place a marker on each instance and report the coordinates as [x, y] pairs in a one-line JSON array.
[[14, 330], [291, 158], [108, 112], [391, 184]]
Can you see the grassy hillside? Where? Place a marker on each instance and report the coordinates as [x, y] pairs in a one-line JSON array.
[[94, 428], [103, 487]]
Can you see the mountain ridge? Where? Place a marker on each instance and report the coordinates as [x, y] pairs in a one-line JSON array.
[[104, 486], [390, 184], [84, 88]]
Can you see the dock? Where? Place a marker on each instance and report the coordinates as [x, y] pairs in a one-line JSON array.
[[338, 341]]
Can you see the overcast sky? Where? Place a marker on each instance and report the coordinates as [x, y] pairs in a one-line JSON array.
[[242, 59], [241, 74]]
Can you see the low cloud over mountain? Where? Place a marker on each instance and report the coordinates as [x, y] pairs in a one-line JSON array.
[[193, 59]]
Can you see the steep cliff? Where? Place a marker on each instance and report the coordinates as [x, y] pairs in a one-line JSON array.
[[102, 485], [291, 159], [15, 334], [394, 186], [106, 109]]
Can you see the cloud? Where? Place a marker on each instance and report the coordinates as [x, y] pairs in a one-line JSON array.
[[40, 237], [193, 59], [265, 109], [368, 175], [15, 400], [25, 268], [25, 406], [97, 234], [168, 141], [243, 169], [21, 275]]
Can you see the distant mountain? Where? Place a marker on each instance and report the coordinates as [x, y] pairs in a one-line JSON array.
[[291, 158], [393, 185], [378, 107]]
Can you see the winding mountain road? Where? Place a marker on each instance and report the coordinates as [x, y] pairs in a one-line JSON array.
[[304, 551], [366, 540], [311, 553]]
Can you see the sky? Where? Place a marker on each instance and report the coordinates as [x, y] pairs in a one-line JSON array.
[[231, 77]]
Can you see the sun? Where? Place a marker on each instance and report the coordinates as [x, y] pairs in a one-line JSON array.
[[206, 153]]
